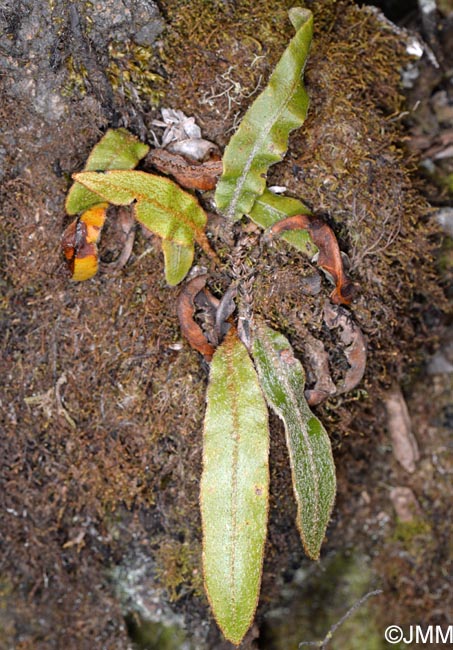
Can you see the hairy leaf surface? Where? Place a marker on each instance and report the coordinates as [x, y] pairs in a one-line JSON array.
[[161, 206], [313, 471], [262, 137], [178, 260], [118, 149], [234, 487], [270, 208]]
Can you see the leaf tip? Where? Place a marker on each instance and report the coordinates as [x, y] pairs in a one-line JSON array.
[[300, 16]]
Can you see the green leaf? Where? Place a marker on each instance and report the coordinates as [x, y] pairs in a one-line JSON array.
[[262, 137], [161, 206], [178, 260], [282, 379], [270, 208], [234, 488], [118, 149]]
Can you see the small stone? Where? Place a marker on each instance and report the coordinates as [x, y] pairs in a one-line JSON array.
[[405, 503], [405, 448]]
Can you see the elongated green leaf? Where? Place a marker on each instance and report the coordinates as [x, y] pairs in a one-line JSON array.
[[234, 488], [262, 137], [161, 206], [270, 208], [118, 149], [313, 471]]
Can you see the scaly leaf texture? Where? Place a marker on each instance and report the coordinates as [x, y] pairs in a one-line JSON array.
[[270, 208], [234, 488], [117, 149], [282, 379], [161, 206], [262, 137]]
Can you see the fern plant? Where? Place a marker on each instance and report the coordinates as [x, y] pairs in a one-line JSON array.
[[252, 368]]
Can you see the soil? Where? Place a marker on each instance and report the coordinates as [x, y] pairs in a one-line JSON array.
[[102, 401]]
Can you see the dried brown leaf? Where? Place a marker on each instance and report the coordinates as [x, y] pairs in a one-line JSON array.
[[319, 361], [351, 336], [329, 258], [186, 309], [192, 175]]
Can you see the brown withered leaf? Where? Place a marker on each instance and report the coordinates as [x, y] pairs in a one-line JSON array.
[[225, 310], [186, 309], [206, 306], [354, 341], [189, 174], [319, 361], [125, 228], [329, 258]]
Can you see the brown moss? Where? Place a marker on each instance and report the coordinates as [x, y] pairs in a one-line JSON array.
[[217, 57]]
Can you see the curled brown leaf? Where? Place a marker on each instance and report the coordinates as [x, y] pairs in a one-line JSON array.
[[225, 310], [354, 341], [193, 175], [206, 306], [329, 252], [126, 235], [186, 309], [319, 361]]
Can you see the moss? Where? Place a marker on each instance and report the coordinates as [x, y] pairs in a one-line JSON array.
[[77, 79], [316, 601], [7, 626], [148, 635], [217, 57], [412, 532], [178, 568], [448, 183], [131, 72], [445, 258]]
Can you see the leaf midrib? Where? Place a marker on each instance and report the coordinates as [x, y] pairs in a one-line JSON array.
[[259, 142], [154, 202], [235, 461]]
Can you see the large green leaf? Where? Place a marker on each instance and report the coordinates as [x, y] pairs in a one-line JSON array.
[[282, 379], [234, 488], [262, 137], [270, 208], [161, 206], [118, 149]]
